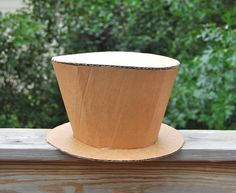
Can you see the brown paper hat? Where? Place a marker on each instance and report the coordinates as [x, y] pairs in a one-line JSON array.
[[115, 102]]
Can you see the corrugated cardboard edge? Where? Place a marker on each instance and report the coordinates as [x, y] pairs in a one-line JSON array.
[[118, 54], [114, 66], [117, 161]]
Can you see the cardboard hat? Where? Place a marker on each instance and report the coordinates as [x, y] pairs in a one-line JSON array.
[[115, 102]]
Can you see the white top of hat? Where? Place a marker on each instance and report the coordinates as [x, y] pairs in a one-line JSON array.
[[118, 59]]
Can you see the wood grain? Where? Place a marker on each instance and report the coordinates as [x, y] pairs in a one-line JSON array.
[[200, 145], [29, 165], [96, 177]]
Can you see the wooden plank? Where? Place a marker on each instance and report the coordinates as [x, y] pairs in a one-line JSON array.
[[200, 145], [28, 164], [96, 177]]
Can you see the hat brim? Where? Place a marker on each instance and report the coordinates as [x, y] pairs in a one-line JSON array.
[[169, 141]]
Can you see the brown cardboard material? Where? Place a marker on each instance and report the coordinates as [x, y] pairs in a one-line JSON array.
[[115, 101], [169, 141]]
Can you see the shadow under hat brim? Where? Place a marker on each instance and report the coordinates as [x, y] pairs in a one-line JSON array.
[[169, 141]]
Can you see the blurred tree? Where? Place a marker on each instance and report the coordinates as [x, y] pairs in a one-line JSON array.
[[201, 34]]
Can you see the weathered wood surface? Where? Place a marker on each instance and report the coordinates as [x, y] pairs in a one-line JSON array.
[[200, 145], [98, 177], [207, 164]]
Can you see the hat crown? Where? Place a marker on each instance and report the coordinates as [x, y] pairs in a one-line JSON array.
[[110, 107]]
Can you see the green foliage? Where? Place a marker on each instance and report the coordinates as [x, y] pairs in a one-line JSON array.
[[201, 34], [28, 96]]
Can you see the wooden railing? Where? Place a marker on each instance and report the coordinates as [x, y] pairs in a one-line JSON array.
[[206, 163]]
